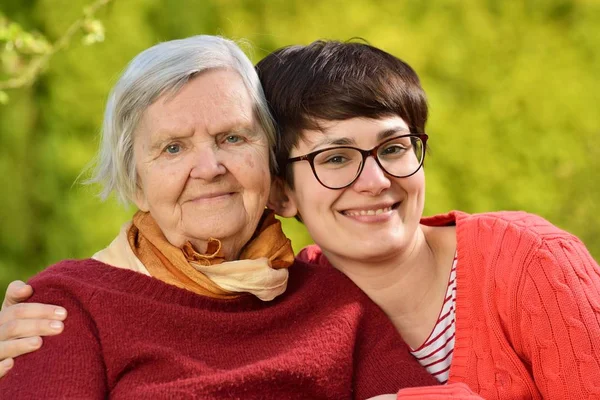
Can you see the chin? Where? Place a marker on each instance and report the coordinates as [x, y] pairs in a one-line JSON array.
[[378, 251], [220, 232], [369, 251]]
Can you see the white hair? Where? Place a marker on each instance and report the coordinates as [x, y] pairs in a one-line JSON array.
[[164, 69]]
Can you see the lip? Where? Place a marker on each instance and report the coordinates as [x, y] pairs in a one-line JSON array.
[[211, 197], [372, 213]]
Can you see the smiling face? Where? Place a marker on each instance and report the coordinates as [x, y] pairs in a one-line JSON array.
[[375, 217], [203, 163]]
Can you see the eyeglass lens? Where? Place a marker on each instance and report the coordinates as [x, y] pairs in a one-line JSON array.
[[340, 166]]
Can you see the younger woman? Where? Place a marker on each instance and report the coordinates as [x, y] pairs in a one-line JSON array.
[[505, 301]]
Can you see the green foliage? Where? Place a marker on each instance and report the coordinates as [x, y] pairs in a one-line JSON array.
[[513, 89], [24, 55]]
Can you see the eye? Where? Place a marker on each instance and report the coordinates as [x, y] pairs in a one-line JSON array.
[[173, 148], [336, 160], [233, 139], [392, 149], [337, 157]]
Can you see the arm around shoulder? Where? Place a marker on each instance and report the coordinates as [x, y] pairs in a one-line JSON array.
[[68, 365], [23, 324]]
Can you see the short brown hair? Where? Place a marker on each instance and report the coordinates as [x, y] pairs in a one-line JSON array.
[[333, 81]]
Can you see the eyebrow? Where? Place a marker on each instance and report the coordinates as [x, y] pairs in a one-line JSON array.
[[163, 136], [344, 141], [391, 132], [242, 130]]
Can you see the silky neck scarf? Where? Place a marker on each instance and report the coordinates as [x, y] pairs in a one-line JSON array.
[[261, 269]]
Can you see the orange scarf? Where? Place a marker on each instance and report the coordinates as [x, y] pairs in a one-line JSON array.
[[260, 271]]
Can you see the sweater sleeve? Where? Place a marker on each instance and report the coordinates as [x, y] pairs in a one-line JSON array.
[[558, 323], [68, 365]]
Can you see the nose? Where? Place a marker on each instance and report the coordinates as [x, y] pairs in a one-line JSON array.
[[372, 179], [207, 165]]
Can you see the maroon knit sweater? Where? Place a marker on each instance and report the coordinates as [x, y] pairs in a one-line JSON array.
[[130, 336]]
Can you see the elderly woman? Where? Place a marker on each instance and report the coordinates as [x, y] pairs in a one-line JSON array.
[[197, 296], [505, 302]]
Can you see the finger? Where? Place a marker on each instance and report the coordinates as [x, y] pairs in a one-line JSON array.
[[32, 311], [17, 292], [5, 366], [18, 347], [24, 328]]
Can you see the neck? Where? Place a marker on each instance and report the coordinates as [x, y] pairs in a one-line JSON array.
[[407, 285]]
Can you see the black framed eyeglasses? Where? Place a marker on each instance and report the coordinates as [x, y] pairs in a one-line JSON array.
[[339, 167]]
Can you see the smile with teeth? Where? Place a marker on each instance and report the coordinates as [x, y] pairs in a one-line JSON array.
[[378, 211]]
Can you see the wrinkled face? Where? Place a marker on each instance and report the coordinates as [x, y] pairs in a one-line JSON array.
[[203, 162], [375, 217]]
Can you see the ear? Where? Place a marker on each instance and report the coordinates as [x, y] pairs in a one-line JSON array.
[[140, 199], [281, 199]]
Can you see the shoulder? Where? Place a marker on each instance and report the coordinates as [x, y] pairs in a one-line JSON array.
[[85, 270], [307, 268], [518, 247], [72, 278], [510, 248], [322, 281], [508, 226], [313, 255], [494, 231], [315, 265]]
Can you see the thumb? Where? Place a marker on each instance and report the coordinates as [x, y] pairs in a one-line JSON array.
[[17, 292]]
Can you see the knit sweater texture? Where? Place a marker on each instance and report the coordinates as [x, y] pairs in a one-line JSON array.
[[527, 308], [130, 336]]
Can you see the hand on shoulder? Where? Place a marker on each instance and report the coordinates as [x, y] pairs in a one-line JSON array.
[[22, 325]]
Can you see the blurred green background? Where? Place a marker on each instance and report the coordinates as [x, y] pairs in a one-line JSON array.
[[514, 90]]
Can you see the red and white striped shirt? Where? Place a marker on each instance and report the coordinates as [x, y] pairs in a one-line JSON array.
[[435, 354]]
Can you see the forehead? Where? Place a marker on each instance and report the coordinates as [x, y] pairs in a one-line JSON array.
[[354, 131], [214, 101]]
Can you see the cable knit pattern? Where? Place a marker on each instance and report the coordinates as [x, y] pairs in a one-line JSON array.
[[527, 309], [130, 336]]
